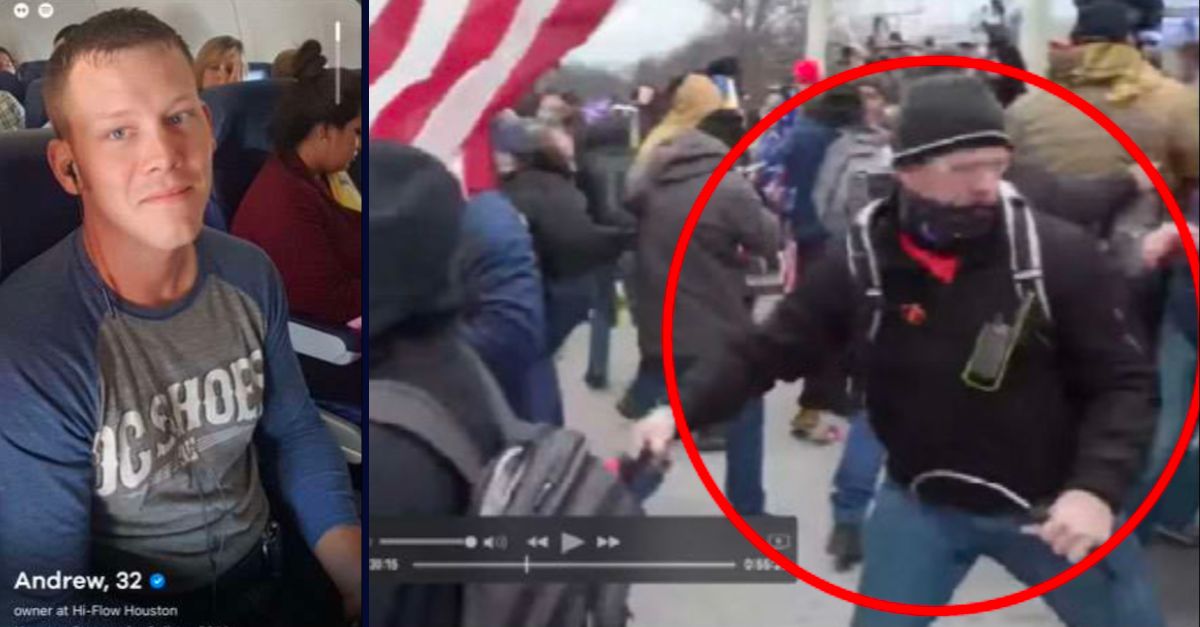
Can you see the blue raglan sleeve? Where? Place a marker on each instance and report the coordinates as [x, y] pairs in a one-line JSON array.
[[300, 457], [48, 401]]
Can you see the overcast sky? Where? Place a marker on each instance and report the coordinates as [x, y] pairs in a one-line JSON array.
[[642, 28]]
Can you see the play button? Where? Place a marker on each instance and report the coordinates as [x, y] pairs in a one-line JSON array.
[[570, 543]]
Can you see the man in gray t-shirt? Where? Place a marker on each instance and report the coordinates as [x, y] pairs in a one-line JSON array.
[[145, 363]]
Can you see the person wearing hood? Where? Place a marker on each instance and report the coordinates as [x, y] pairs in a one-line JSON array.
[[687, 100], [414, 304], [973, 451], [695, 97], [1161, 115], [713, 301]]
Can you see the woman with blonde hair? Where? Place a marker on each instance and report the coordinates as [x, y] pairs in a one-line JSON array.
[[220, 62]]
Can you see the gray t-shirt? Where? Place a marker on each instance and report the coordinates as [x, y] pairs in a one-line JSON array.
[[131, 439]]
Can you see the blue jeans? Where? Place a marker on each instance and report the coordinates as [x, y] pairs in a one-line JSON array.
[[604, 308], [744, 438], [1177, 370], [542, 395], [857, 473], [919, 553], [567, 303]]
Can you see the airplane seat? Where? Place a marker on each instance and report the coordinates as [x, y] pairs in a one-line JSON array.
[[30, 71], [35, 105], [241, 114], [13, 85], [37, 212]]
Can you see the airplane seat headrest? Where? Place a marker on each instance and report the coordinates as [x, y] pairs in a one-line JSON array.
[[37, 212], [35, 105], [241, 114], [13, 85], [30, 71]]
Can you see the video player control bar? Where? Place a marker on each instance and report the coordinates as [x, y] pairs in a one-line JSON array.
[[667, 549]]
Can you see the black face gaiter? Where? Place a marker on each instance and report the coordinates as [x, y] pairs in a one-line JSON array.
[[944, 227]]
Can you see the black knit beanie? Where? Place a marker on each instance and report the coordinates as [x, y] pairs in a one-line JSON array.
[[413, 231], [944, 113]]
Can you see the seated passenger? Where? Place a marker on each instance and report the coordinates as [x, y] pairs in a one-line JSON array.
[[7, 62], [290, 210], [219, 62], [281, 67], [147, 372], [9, 82], [340, 183]]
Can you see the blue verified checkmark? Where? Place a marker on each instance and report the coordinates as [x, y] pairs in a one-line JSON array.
[[158, 581]]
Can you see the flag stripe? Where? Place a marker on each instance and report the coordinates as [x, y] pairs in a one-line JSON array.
[[441, 69], [570, 24], [479, 169], [457, 114], [406, 112], [374, 9], [389, 34]]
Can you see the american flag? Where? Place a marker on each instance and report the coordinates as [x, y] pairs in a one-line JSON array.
[[440, 70]]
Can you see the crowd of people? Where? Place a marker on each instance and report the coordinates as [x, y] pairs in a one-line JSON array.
[[943, 179], [984, 295]]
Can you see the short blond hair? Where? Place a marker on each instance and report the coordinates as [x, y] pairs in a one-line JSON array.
[[213, 50]]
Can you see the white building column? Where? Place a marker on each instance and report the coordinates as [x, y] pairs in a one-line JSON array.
[[1034, 39], [817, 40]]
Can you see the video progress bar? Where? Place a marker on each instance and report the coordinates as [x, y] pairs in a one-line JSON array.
[[528, 565], [467, 541]]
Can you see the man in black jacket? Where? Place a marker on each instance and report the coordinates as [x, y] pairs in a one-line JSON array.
[[972, 452], [568, 243]]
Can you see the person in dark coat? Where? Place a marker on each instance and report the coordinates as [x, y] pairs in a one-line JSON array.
[[414, 303], [603, 165], [569, 244], [713, 303], [1066, 428]]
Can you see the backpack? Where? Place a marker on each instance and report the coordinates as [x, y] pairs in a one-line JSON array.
[[856, 170], [1024, 246], [540, 471]]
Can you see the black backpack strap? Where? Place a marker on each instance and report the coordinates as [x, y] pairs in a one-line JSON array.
[[1025, 250], [864, 269], [407, 407], [515, 430]]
